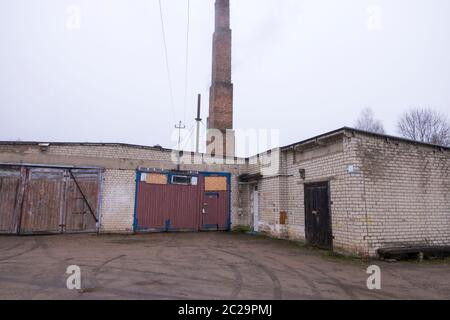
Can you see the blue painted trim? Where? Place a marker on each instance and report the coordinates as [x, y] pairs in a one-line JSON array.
[[220, 174], [182, 230], [156, 230], [211, 227], [229, 201], [135, 219], [167, 225]]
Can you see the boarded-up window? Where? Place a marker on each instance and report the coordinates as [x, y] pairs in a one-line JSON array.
[[156, 178], [216, 184]]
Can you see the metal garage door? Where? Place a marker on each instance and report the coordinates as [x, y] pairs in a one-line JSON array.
[[171, 201], [36, 200]]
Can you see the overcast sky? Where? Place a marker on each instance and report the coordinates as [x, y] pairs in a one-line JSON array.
[[301, 66]]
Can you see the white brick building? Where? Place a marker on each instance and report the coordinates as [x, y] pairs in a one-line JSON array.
[[377, 191], [384, 191]]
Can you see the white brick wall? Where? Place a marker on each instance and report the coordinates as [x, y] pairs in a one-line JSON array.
[[399, 194], [406, 190], [117, 201], [118, 189]]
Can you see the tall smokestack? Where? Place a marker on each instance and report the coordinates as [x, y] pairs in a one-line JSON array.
[[221, 92]]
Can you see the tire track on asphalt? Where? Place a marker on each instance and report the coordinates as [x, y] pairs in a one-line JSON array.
[[338, 283], [190, 251], [238, 278], [164, 247], [154, 273], [13, 247], [310, 283], [131, 293], [93, 277], [57, 276], [307, 269], [98, 269], [277, 288], [239, 281], [335, 282], [34, 247]]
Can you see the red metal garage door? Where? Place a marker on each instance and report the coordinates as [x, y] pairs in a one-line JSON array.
[[216, 202], [215, 215], [168, 207], [182, 202]]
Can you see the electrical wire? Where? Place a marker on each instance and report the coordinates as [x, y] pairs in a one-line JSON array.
[[188, 137], [186, 78], [169, 78]]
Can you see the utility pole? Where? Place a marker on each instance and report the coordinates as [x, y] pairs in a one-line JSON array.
[[180, 127], [199, 120]]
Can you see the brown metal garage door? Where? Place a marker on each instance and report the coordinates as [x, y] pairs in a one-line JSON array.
[[36, 200]]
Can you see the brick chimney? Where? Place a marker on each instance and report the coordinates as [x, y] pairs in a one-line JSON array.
[[221, 140]]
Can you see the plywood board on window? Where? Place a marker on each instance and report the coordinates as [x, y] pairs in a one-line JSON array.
[[216, 184], [156, 178]]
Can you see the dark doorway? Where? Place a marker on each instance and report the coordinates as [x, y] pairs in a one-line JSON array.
[[317, 215]]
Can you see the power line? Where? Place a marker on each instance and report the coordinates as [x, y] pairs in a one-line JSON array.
[[187, 56], [188, 137], [169, 78]]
